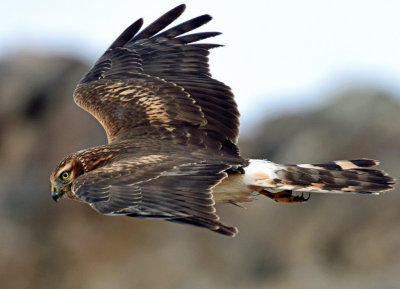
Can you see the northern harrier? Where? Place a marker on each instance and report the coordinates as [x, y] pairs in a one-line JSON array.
[[172, 133]]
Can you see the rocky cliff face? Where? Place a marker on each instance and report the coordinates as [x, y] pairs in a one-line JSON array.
[[328, 242]]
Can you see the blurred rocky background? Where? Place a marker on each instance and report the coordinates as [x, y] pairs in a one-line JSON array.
[[332, 241]]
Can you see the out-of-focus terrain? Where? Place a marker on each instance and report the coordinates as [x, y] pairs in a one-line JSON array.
[[332, 241]]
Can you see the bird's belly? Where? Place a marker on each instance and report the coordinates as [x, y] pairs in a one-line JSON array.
[[232, 189]]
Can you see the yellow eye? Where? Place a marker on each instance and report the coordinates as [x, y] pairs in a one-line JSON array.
[[65, 175]]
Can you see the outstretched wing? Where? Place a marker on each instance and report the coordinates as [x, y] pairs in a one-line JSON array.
[[158, 84], [156, 186]]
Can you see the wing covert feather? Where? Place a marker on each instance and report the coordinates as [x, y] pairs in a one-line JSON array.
[[169, 71], [154, 87], [156, 186], [125, 108]]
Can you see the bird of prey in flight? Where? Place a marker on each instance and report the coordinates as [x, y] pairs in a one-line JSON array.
[[172, 137]]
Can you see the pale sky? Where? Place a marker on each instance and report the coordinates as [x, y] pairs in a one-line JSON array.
[[279, 54]]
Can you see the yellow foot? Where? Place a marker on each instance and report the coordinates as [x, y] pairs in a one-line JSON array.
[[285, 197]]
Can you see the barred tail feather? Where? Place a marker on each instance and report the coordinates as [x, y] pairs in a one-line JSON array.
[[344, 176]]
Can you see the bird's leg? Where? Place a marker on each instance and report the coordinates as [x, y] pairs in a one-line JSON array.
[[285, 197]]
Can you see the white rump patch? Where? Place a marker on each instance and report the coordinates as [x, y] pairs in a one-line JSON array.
[[260, 173]]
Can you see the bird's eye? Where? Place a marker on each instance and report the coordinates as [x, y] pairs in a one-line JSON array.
[[65, 175]]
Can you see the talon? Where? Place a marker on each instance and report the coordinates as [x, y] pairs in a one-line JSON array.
[[285, 197]]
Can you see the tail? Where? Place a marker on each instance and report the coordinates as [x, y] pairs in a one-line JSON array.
[[347, 176]]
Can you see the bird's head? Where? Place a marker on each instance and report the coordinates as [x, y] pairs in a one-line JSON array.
[[63, 176]]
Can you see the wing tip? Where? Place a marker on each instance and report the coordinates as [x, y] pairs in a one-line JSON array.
[[181, 7], [127, 34], [177, 10], [225, 230]]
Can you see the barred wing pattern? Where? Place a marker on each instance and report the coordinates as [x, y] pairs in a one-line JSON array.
[[154, 89], [156, 186], [172, 133], [160, 83]]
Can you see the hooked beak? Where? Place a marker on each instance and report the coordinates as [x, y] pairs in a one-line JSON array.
[[55, 194]]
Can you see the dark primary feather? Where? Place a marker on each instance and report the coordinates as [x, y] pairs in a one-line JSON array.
[[172, 131], [153, 88], [127, 34], [172, 187], [162, 22], [185, 26], [195, 37], [169, 61], [189, 199]]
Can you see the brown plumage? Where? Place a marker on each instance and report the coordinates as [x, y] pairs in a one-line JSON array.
[[172, 133]]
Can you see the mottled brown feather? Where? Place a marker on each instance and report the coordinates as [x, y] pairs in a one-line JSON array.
[[154, 89], [167, 186], [168, 61], [163, 157], [172, 133]]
